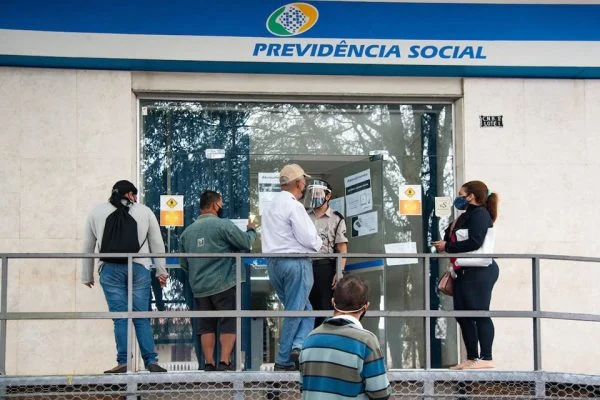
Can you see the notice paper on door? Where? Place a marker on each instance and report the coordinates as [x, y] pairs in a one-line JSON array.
[[443, 206], [404, 248], [364, 224], [359, 197], [337, 204], [241, 223], [268, 186]]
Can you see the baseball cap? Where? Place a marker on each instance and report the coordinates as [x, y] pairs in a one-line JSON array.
[[291, 172]]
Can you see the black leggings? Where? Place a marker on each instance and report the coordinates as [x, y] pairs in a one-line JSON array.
[[473, 291]]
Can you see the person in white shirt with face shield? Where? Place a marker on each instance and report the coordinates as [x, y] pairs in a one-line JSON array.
[[331, 227]]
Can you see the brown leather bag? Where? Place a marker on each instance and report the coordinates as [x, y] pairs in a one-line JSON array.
[[446, 284]]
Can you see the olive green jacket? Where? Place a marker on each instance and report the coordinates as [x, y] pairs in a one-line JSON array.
[[211, 234]]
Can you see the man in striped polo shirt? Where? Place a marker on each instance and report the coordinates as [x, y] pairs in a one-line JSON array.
[[340, 359]]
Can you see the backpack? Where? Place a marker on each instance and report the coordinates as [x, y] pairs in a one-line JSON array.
[[120, 235]]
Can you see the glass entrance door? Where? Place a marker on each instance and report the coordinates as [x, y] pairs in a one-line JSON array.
[[179, 141]]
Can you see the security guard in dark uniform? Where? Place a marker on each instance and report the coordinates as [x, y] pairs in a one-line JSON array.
[[331, 226]]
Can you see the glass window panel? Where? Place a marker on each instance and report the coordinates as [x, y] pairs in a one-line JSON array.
[[326, 139]]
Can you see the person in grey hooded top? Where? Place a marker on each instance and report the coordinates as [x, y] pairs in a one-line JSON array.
[[113, 277]]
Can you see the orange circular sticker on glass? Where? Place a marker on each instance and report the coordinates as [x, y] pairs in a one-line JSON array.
[[292, 19]]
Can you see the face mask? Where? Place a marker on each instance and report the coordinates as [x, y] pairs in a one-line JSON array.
[[130, 198], [362, 315], [317, 202], [220, 212], [303, 193], [461, 203]]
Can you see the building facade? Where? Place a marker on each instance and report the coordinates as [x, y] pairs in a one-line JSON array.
[[395, 94]]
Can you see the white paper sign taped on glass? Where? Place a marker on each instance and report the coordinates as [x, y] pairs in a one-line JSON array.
[[268, 186], [214, 154], [359, 197], [241, 223], [364, 224], [408, 247], [443, 206], [337, 204]]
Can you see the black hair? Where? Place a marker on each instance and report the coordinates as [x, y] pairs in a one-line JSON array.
[[207, 198], [119, 190], [351, 293]]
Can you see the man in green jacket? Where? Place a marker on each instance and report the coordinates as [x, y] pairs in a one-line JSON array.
[[213, 279]]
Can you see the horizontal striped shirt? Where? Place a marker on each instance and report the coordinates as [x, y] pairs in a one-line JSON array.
[[340, 360]]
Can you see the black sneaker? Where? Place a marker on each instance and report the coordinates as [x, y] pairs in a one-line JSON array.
[[223, 366], [279, 367], [209, 367], [154, 367], [119, 369], [295, 356]]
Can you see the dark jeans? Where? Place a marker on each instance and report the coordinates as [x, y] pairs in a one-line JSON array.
[[321, 293], [473, 291]]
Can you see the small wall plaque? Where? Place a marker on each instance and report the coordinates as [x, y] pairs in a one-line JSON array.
[[491, 120]]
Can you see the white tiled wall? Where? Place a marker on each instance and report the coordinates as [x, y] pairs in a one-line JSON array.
[[544, 165], [66, 137]]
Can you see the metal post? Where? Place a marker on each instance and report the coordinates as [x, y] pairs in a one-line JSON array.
[[537, 336], [131, 390], [238, 387], [129, 312], [428, 389], [238, 308], [3, 309], [427, 301], [383, 295], [540, 388]]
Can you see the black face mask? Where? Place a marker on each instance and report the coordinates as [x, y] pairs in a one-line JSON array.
[[220, 212]]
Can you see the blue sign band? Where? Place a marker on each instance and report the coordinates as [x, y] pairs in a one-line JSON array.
[[336, 19], [365, 264]]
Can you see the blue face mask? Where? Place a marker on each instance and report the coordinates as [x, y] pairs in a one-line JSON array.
[[461, 203]]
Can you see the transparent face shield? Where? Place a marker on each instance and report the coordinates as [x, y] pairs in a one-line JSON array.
[[316, 192]]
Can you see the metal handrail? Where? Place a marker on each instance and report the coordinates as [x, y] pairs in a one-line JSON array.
[[536, 314]]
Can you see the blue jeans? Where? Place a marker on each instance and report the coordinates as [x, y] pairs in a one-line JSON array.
[[292, 279], [113, 279]]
